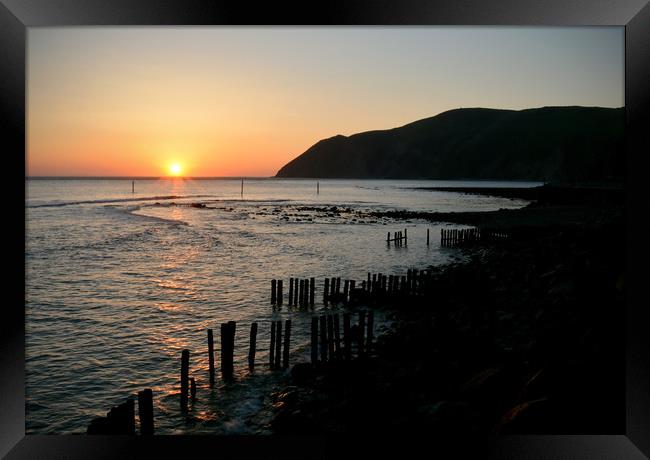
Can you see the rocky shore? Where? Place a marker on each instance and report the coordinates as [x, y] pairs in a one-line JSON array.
[[525, 337]]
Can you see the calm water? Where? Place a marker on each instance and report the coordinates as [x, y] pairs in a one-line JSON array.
[[118, 283]]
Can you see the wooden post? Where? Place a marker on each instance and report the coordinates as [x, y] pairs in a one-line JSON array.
[[346, 289], [312, 291], [287, 341], [427, 237], [211, 356], [333, 288], [388, 239], [295, 292], [227, 348], [323, 339], [301, 294], [368, 283], [193, 388], [314, 340], [371, 322], [330, 336], [252, 346], [272, 347], [337, 336], [326, 290], [279, 297], [346, 336], [290, 291], [242, 187], [352, 284], [362, 327], [130, 416], [145, 411], [278, 344], [132, 186], [317, 188], [273, 290], [185, 366], [406, 238], [231, 347]]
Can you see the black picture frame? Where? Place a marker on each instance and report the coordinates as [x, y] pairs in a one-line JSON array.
[[17, 15]]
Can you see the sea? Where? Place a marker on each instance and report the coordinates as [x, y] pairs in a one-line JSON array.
[[121, 275]]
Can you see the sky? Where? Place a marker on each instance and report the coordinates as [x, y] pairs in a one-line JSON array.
[[244, 101]]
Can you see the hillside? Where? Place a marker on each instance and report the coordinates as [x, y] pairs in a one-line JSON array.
[[549, 143]]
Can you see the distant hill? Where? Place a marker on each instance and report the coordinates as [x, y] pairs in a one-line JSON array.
[[545, 144]]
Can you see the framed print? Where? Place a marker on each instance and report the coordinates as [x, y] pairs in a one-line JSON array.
[[362, 226]]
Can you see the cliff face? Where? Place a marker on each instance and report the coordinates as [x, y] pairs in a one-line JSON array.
[[549, 143]]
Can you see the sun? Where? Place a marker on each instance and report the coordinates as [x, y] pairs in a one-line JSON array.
[[175, 169]]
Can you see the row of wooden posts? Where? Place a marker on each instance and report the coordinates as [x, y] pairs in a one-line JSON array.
[[460, 237], [376, 286], [301, 292], [120, 420], [452, 237], [330, 336], [279, 349], [401, 239]]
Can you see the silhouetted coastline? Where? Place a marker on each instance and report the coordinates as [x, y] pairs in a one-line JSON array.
[[526, 337]]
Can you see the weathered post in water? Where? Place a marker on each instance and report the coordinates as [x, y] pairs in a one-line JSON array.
[[252, 346], [290, 291], [427, 237], [279, 297], [193, 389], [132, 186], [317, 188], [295, 292], [323, 339], [242, 187], [301, 294], [312, 291], [211, 356], [326, 290], [278, 344], [185, 367], [145, 411], [273, 291], [287, 341], [314, 340], [272, 346], [330, 336]]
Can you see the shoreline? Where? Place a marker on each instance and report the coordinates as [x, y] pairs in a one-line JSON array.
[[524, 337]]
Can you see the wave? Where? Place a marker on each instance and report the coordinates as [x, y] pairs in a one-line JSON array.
[[115, 200]]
